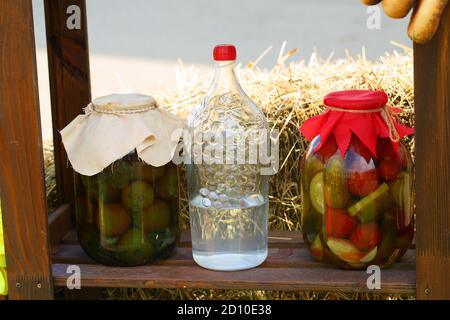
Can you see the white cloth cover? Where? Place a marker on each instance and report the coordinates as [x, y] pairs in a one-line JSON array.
[[114, 126]]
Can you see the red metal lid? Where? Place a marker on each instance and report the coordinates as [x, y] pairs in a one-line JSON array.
[[224, 52]]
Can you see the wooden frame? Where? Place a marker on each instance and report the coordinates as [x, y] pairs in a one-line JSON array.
[[32, 237], [432, 153]]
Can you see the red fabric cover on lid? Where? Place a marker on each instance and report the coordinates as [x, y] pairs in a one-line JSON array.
[[367, 126], [356, 99]]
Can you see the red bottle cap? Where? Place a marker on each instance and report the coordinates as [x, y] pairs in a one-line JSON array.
[[224, 52]]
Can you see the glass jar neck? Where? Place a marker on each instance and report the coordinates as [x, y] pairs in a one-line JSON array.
[[225, 79]]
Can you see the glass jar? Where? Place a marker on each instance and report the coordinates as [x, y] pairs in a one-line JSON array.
[[127, 215], [357, 201], [228, 198], [126, 185]]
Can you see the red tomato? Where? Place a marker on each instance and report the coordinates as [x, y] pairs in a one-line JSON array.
[[363, 183], [339, 223], [328, 149], [363, 178], [385, 149], [366, 236], [388, 169]]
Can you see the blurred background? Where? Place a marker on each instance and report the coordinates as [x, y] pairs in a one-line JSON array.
[[140, 45]]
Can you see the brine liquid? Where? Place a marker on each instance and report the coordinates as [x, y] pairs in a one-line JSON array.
[[230, 238]]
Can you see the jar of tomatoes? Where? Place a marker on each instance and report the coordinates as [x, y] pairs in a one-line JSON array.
[[357, 182], [126, 186]]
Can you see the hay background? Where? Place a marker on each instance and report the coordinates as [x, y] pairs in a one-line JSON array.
[[288, 94]]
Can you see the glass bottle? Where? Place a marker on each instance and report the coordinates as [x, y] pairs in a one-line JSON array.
[[228, 194]]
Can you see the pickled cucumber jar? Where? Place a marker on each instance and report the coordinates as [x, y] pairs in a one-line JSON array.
[[357, 182], [126, 186]]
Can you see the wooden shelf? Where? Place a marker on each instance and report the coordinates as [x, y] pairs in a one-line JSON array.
[[289, 267]]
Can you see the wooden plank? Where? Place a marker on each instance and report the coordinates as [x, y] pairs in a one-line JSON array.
[[394, 279], [432, 110], [277, 273], [21, 161], [60, 223], [83, 294], [182, 256], [278, 257], [281, 254], [70, 87], [277, 238]]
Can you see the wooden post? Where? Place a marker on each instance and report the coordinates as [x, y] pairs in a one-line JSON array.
[[70, 86], [21, 162], [432, 110]]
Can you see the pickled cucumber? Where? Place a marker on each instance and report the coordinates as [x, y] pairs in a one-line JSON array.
[[369, 256], [336, 189], [312, 166], [345, 250], [388, 241], [373, 206], [401, 190], [306, 202], [84, 210], [311, 224], [316, 193], [167, 185], [98, 190]]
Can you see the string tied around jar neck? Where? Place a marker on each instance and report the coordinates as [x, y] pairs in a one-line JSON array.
[[107, 109], [386, 114]]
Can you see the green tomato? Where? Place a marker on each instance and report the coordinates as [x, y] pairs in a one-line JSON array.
[[118, 175], [138, 195], [134, 248]]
